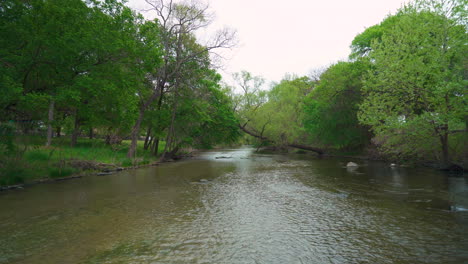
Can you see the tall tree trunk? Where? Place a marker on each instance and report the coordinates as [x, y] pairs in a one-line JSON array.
[[170, 133], [91, 133], [136, 128], [50, 121], [155, 146], [147, 138], [76, 131], [445, 148], [58, 131], [134, 135]]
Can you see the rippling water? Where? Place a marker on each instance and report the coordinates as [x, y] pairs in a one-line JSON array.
[[246, 208]]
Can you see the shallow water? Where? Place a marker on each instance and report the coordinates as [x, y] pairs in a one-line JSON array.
[[252, 208]]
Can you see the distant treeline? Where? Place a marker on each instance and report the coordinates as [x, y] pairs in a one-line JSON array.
[[401, 94]]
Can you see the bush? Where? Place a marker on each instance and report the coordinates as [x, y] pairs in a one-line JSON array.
[[7, 146], [36, 155], [127, 163], [12, 172], [61, 172]]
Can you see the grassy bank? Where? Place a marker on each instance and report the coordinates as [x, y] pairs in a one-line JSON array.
[[32, 161]]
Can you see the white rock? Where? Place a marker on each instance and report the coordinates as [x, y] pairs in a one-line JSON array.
[[351, 164]]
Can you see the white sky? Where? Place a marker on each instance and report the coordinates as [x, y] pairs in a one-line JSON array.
[[292, 36]]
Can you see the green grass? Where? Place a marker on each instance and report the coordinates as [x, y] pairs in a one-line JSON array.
[[35, 161], [13, 173], [57, 172]]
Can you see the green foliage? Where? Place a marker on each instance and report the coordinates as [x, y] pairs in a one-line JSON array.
[[36, 155], [13, 172], [97, 66], [61, 172], [275, 114], [284, 110], [90, 60], [416, 95], [361, 46], [330, 109], [41, 162], [7, 144], [204, 116]]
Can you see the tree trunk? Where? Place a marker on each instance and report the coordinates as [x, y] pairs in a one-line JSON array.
[[136, 128], [76, 131], [147, 138], [58, 131], [170, 133], [262, 138], [304, 147], [91, 133], [445, 149], [293, 145], [134, 135], [155, 146], [50, 120]]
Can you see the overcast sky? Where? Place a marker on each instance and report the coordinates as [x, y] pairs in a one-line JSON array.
[[292, 36]]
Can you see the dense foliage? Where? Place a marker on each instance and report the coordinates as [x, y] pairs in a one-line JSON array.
[[415, 95], [91, 68], [80, 68], [403, 92]]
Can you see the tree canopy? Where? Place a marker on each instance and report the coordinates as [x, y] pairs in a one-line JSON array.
[[97, 67]]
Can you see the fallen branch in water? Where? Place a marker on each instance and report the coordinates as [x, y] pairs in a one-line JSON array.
[[292, 145]]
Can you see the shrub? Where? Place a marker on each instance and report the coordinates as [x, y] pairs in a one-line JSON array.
[[61, 172]]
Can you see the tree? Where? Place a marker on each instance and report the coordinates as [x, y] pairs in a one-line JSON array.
[[40, 54], [274, 117], [124, 51], [330, 116], [204, 115], [361, 46], [284, 110], [178, 22], [415, 98]]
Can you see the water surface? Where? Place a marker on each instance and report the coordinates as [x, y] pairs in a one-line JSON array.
[[248, 208]]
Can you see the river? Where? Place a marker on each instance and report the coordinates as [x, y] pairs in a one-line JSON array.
[[243, 208]]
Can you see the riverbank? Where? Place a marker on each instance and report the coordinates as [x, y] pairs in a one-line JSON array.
[[108, 169], [372, 155], [33, 163]]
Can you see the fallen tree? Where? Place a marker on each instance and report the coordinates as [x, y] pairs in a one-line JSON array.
[[292, 145]]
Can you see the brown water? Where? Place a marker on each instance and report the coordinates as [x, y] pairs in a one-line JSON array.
[[254, 209]]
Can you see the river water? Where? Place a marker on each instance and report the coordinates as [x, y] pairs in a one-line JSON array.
[[252, 208]]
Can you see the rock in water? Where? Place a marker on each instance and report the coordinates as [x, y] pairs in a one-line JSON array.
[[351, 165]]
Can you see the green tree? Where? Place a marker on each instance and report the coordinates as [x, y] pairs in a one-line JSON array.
[[284, 110], [415, 98], [274, 117], [330, 116], [42, 40], [361, 46], [177, 22], [88, 62]]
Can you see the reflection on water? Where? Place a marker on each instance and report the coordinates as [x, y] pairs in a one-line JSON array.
[[241, 208]]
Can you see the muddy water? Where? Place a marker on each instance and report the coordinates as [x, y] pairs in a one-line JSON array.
[[243, 208]]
